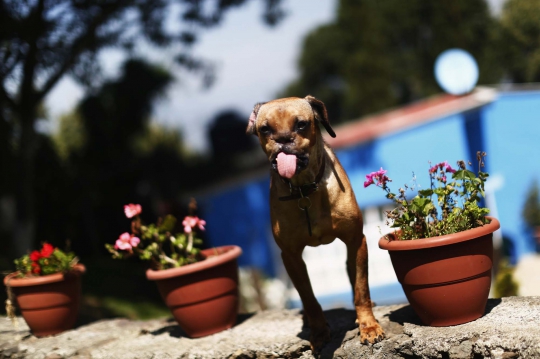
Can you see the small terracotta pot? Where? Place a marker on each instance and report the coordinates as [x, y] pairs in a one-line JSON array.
[[447, 278], [49, 304], [203, 296]]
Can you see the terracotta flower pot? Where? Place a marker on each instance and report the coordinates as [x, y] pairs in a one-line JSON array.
[[49, 304], [447, 278], [203, 296]]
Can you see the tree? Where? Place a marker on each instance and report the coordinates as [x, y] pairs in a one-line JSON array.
[[43, 40], [117, 154], [108, 169], [379, 54], [520, 40], [227, 135], [531, 207]]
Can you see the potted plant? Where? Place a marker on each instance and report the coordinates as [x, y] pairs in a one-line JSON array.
[[442, 252], [47, 289], [200, 287]]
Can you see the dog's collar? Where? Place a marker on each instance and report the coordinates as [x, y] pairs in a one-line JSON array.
[[304, 190]]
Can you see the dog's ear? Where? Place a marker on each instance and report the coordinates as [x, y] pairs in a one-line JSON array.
[[320, 113], [251, 129]]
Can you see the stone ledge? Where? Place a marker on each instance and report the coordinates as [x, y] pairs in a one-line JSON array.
[[510, 329]]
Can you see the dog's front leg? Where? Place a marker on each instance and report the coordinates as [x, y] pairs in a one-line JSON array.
[[296, 268], [357, 269]]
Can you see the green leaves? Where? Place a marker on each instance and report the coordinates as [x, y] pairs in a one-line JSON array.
[[44, 263], [421, 205], [464, 174], [425, 192], [168, 224]]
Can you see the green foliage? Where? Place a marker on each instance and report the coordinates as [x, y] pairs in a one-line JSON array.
[[380, 54], [156, 138], [134, 310], [70, 138], [49, 260], [520, 40], [505, 284], [531, 208], [446, 207]]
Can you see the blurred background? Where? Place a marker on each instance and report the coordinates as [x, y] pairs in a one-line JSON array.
[[105, 103]]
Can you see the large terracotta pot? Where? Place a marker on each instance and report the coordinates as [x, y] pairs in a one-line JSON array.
[[447, 278], [203, 296], [49, 304]]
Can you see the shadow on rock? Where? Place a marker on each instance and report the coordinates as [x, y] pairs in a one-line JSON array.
[[492, 303], [175, 331], [242, 318], [406, 314], [403, 315], [343, 328]]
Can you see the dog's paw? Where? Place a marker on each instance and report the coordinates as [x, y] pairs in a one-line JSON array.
[[370, 332], [318, 338]]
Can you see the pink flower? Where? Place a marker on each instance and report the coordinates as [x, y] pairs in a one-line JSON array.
[[434, 168], [131, 210], [448, 168], [369, 181], [191, 222], [379, 175], [126, 242], [443, 166]]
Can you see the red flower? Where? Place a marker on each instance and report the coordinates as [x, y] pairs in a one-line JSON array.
[[36, 269], [47, 250], [35, 256]]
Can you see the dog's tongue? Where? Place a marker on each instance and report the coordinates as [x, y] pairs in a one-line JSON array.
[[286, 165]]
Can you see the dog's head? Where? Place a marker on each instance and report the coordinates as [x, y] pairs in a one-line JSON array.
[[288, 131]]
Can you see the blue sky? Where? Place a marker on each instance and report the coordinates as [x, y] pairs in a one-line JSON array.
[[254, 62]]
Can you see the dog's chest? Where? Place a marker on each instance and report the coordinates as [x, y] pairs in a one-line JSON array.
[[308, 218]]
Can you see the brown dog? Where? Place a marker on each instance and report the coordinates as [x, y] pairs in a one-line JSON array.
[[312, 203]]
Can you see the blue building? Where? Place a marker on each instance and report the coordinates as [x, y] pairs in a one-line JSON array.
[[503, 123]]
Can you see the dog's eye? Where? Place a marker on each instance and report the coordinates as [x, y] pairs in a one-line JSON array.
[[265, 130], [302, 125]]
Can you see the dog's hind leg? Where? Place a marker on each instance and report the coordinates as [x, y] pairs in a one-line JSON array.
[[357, 269], [296, 268]]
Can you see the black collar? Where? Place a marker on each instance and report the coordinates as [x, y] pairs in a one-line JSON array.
[[306, 189]]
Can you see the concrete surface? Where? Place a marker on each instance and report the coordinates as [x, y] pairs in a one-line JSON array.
[[509, 329]]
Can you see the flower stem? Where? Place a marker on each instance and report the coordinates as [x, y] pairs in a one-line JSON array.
[[189, 246], [168, 259]]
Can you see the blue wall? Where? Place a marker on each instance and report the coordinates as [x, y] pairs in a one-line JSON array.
[[403, 153], [513, 132], [507, 129], [240, 215]]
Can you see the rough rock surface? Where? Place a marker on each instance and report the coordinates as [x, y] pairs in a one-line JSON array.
[[509, 329]]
